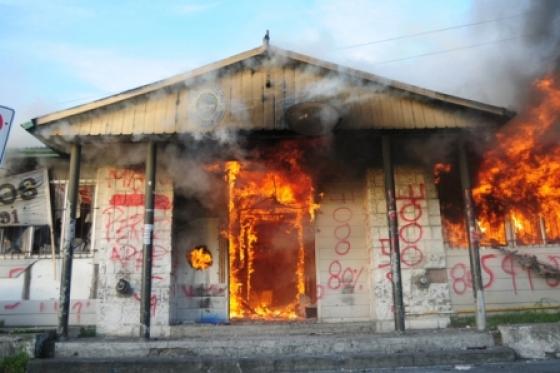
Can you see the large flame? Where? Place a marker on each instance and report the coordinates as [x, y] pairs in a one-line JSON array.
[[518, 183], [270, 203], [519, 179]]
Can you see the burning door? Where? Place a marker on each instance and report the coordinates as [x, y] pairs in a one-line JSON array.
[[271, 261]]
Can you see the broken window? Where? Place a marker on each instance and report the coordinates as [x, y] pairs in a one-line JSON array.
[[497, 225], [84, 213], [13, 240], [37, 240]]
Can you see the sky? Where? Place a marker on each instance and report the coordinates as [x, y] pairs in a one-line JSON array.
[[58, 54]]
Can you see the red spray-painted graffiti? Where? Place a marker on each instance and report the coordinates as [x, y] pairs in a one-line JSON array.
[[125, 179], [129, 258], [12, 306], [15, 272], [77, 307], [153, 302], [341, 278], [161, 202], [203, 290], [124, 230], [410, 231], [347, 277], [122, 226], [343, 230], [494, 267], [130, 180]]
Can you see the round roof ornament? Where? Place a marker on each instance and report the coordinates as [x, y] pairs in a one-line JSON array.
[[208, 107]]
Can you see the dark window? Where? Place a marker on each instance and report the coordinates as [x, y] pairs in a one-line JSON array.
[[37, 240], [13, 240]]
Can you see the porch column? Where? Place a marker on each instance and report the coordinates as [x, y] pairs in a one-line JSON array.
[[68, 235], [392, 222], [473, 237], [150, 180]]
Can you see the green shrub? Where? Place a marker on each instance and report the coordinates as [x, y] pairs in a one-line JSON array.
[[14, 363], [87, 332]]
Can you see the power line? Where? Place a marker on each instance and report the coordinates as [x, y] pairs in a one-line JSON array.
[[103, 94], [444, 51], [452, 49], [434, 31]]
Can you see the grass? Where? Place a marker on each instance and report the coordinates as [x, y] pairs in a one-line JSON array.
[[87, 332], [14, 364], [492, 321]]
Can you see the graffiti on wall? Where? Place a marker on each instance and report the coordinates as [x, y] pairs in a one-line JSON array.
[[203, 302], [123, 228], [411, 231], [498, 266], [124, 222], [203, 290], [44, 312], [342, 278]]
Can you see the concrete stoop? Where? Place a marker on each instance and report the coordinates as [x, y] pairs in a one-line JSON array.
[[347, 348], [234, 344], [289, 363]]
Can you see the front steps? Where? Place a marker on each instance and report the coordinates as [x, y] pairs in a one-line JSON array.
[[290, 363], [275, 348]]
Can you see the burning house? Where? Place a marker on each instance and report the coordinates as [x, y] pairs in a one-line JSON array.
[[272, 186]]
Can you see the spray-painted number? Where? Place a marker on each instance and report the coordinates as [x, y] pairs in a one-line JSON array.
[[27, 189], [9, 217]]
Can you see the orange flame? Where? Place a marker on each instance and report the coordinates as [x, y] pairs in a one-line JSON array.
[[199, 258], [519, 179], [441, 168], [270, 203], [454, 233]]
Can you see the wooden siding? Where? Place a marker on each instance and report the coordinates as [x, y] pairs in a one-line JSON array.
[[250, 103]]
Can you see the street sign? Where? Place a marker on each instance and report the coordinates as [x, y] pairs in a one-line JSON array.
[[25, 199], [6, 118]]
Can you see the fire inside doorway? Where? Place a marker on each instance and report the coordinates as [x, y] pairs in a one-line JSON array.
[[271, 206]]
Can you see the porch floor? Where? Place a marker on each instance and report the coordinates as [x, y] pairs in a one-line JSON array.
[[276, 340]]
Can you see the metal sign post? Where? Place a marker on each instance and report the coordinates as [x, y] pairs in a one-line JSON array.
[[6, 118]]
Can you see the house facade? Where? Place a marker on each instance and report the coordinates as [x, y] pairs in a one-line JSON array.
[[268, 203]]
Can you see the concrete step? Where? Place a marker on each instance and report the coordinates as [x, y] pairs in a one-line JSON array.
[[339, 362], [270, 328], [265, 344]]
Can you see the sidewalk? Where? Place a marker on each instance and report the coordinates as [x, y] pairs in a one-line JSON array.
[[303, 347], [276, 348]]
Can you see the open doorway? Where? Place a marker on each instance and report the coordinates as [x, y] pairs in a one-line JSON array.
[[270, 235]]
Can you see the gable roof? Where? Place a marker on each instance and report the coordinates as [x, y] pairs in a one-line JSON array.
[[267, 50]]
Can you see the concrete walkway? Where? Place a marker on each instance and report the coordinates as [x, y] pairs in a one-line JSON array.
[[276, 348], [277, 340], [310, 347]]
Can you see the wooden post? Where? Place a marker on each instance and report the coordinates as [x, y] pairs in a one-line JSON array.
[[69, 231], [392, 222], [51, 225], [473, 238], [150, 180], [26, 283]]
